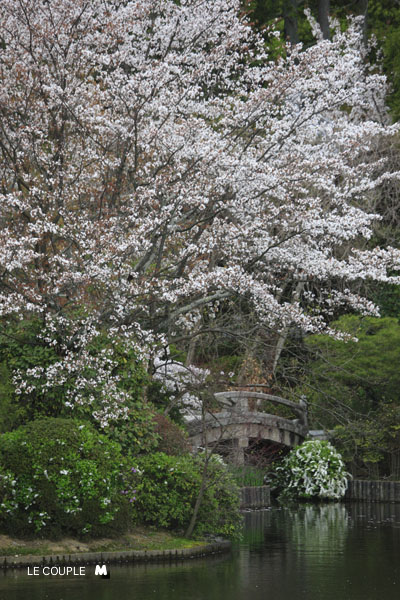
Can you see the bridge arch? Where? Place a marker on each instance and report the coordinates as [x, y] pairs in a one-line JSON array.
[[238, 423]]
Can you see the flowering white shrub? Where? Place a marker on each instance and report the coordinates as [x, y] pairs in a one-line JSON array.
[[313, 470], [62, 477]]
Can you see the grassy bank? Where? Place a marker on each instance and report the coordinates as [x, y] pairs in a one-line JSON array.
[[139, 539]]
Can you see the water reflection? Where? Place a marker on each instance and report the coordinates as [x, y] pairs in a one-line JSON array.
[[332, 551], [314, 552], [320, 529]]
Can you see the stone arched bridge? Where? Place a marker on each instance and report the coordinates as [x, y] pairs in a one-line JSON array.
[[239, 421]]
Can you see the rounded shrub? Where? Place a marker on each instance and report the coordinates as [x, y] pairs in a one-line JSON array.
[[60, 476], [312, 470], [166, 488]]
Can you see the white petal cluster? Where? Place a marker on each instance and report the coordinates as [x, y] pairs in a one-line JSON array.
[[182, 384], [155, 160], [315, 470]]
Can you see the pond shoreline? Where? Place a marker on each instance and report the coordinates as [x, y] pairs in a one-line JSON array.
[[114, 557], [252, 497]]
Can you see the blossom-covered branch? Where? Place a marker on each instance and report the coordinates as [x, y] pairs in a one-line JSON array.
[[155, 160]]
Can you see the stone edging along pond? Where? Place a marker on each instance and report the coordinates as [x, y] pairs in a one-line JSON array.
[[116, 557], [373, 491]]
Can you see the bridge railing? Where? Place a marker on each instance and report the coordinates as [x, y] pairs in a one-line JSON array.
[[240, 399]]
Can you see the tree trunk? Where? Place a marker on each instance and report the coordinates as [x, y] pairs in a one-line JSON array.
[[284, 333], [199, 499], [363, 10], [290, 17], [191, 351], [323, 17], [366, 23]]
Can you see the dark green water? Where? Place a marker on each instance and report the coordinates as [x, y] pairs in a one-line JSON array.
[[330, 552]]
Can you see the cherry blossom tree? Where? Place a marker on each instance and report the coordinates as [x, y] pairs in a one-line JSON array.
[[155, 163]]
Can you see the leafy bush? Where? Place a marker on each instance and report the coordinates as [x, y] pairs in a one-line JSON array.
[[29, 351], [172, 438], [166, 491], [22, 348], [136, 434], [8, 408], [60, 476], [312, 470]]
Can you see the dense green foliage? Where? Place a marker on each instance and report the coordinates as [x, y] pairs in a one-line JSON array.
[[59, 476], [354, 376], [26, 350], [136, 434], [22, 349], [352, 388], [167, 488], [313, 470], [370, 444], [384, 22]]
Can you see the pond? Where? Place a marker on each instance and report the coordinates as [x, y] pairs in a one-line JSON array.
[[313, 552]]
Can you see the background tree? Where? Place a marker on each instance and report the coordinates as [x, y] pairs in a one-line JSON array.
[[381, 18], [158, 168]]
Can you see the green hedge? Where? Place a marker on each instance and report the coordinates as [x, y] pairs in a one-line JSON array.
[[60, 476]]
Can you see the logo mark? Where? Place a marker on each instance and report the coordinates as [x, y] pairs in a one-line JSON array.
[[102, 570]]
